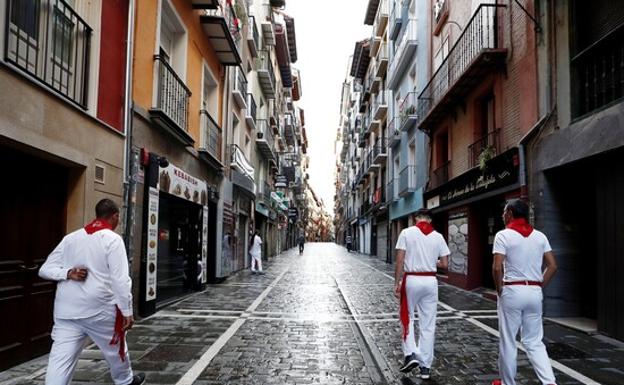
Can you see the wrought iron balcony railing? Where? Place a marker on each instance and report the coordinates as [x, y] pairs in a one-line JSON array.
[[253, 36], [210, 136], [407, 111], [404, 49], [173, 95], [252, 110], [391, 189], [407, 180], [51, 42], [440, 175], [485, 148], [266, 74]]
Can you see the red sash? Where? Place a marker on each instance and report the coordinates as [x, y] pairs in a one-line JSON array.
[[520, 225], [403, 311]]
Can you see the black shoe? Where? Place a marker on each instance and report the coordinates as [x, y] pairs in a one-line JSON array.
[[138, 379], [425, 373], [411, 363]]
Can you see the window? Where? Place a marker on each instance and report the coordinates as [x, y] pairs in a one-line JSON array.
[[210, 94], [172, 44], [441, 148]]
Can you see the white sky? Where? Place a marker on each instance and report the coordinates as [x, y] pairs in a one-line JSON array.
[[326, 36]]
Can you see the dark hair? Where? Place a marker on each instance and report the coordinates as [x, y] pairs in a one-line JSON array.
[[519, 208], [106, 208], [423, 213]]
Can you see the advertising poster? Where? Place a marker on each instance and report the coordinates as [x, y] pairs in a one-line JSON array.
[[204, 251], [152, 244]]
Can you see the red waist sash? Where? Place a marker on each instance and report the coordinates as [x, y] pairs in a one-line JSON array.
[[403, 311]]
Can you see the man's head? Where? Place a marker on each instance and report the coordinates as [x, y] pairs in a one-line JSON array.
[[422, 215], [514, 209], [108, 210]]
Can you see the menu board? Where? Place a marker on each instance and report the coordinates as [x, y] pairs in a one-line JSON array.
[[152, 244]]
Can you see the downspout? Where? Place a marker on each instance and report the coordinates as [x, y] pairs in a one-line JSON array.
[[129, 182]]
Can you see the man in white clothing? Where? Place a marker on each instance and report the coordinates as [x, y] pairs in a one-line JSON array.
[[93, 298], [420, 251], [520, 251], [256, 253]]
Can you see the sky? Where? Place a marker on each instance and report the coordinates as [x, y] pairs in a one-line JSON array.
[[326, 36]]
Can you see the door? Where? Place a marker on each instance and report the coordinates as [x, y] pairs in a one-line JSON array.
[[31, 225], [382, 240]]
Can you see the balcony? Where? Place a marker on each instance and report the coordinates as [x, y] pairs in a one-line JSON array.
[[266, 75], [477, 53], [263, 193], [366, 127], [219, 25], [598, 74], [397, 16], [210, 140], [407, 180], [265, 140], [394, 132], [239, 91], [440, 175], [242, 172], [403, 52], [484, 149], [172, 103], [407, 112], [268, 30], [289, 129], [31, 28], [381, 19], [372, 166], [205, 4], [253, 36], [380, 151], [250, 113], [380, 105], [391, 188], [381, 65]]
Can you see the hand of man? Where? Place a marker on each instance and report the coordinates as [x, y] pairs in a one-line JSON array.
[[127, 323], [397, 291], [77, 274]]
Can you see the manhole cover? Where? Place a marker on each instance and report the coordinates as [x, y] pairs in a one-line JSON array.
[[563, 351]]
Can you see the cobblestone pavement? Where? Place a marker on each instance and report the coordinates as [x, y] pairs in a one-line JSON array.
[[326, 317]]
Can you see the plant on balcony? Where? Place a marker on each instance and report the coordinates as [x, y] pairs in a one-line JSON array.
[[241, 13], [486, 154]]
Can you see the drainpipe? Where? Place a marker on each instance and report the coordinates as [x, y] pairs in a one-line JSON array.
[[129, 181]]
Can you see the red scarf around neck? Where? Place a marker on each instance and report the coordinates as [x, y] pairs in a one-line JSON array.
[[97, 225], [520, 225], [425, 227]]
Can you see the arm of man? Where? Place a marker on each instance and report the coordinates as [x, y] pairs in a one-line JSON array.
[[121, 284], [551, 267], [54, 269], [497, 271], [398, 272], [443, 253]]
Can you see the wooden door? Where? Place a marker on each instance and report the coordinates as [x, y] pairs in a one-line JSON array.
[[32, 222]]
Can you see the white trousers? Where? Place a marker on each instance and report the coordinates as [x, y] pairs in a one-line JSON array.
[[256, 260], [70, 337], [520, 308], [422, 295]]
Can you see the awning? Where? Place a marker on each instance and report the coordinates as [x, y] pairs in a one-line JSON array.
[[361, 59], [283, 55], [292, 38]]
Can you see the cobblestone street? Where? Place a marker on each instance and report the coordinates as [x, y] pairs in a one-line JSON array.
[[326, 317]]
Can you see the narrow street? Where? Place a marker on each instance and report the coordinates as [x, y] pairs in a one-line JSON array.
[[326, 317]]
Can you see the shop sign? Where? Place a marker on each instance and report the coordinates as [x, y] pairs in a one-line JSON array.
[[281, 181], [433, 202], [500, 172], [152, 244], [176, 181]]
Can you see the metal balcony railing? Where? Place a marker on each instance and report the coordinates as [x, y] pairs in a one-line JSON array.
[[381, 19], [265, 139], [252, 108], [210, 135], [394, 131], [51, 42], [264, 192], [480, 35], [485, 148], [380, 105], [380, 150], [404, 48], [407, 180], [598, 74], [407, 111], [391, 189], [440, 175], [253, 36], [266, 74], [240, 87], [173, 95]]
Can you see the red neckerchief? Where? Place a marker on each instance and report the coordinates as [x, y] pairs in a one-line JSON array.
[[119, 337], [425, 227], [97, 225], [520, 225]]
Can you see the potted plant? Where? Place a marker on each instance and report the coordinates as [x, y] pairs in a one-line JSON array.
[[486, 154]]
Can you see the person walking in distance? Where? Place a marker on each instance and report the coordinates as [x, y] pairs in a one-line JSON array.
[[93, 298], [420, 251], [520, 251], [301, 242], [348, 241], [256, 253]]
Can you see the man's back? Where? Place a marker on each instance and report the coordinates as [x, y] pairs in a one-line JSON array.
[[523, 255], [421, 251], [103, 255]]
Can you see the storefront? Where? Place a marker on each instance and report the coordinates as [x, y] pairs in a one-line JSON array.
[[468, 211], [175, 251]]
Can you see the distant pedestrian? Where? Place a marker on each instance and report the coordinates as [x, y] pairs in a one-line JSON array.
[[520, 251], [93, 298], [256, 253], [420, 251], [301, 241], [348, 241]]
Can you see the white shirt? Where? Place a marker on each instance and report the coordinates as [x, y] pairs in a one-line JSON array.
[[108, 282], [523, 256], [421, 251], [255, 247]]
